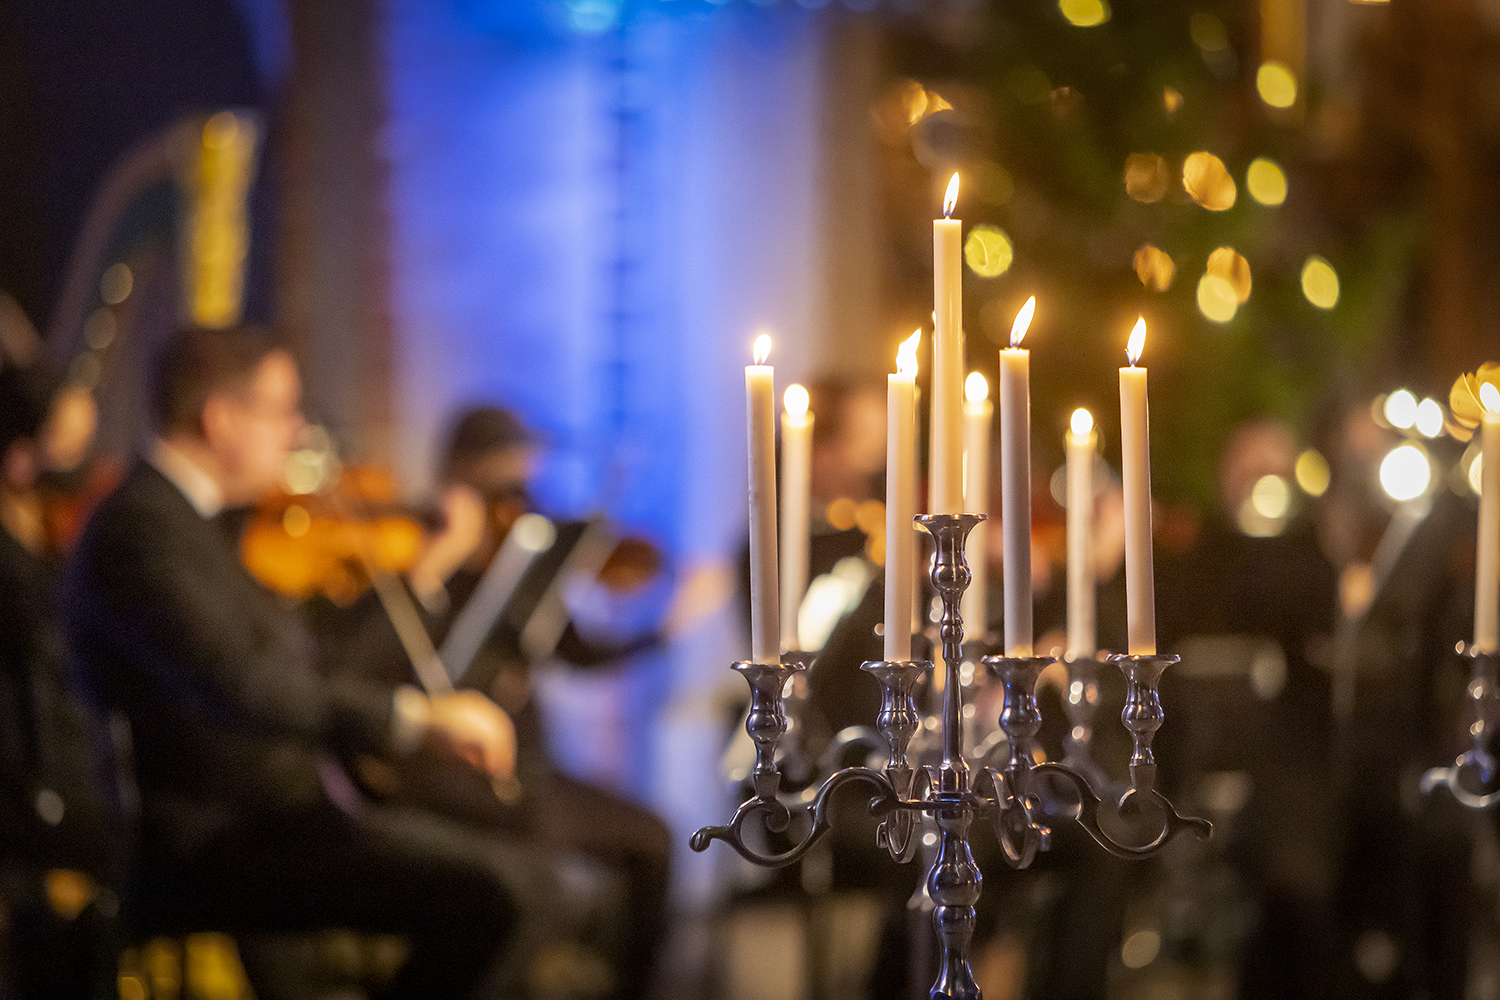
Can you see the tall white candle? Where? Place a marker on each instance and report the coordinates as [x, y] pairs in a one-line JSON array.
[[901, 500], [1081, 442], [1015, 483], [760, 413], [978, 416], [1487, 578], [796, 499], [1135, 471], [946, 444]]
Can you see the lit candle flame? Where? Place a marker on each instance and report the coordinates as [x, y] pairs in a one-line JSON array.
[[976, 389], [762, 348], [1082, 422], [1137, 342], [1489, 396], [1023, 322], [950, 200], [906, 355], [796, 401]]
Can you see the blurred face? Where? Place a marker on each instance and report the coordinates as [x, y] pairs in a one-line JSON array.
[[500, 476], [69, 430], [251, 431]]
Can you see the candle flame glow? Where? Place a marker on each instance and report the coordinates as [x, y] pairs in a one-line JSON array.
[[762, 348], [906, 355], [1023, 322], [1137, 342], [1489, 396], [1082, 422], [950, 200], [796, 401], [976, 389]]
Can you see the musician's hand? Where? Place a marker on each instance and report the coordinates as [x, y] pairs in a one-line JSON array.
[[448, 549], [478, 730]]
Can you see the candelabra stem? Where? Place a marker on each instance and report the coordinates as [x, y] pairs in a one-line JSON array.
[[954, 881], [1478, 792]]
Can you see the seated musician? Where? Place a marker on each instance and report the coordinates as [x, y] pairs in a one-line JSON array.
[[52, 836], [490, 453], [246, 823]]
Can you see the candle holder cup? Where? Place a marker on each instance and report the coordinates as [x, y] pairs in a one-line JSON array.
[[907, 796]]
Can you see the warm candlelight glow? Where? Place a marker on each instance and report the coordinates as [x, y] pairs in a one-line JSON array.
[[1137, 342], [1489, 396], [762, 348], [796, 401], [1082, 422], [977, 390], [1023, 322], [906, 355], [950, 200]]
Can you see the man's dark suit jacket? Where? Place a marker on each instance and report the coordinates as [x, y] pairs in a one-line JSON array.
[[229, 713]]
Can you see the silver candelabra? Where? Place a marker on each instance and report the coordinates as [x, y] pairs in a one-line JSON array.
[[951, 792]]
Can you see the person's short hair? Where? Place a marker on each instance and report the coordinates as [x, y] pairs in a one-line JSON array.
[[199, 363], [26, 397], [483, 430]]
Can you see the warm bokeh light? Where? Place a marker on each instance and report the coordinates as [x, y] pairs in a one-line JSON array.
[[1084, 13], [906, 354], [1081, 422], [1137, 342], [1489, 397], [1271, 497], [1429, 418], [116, 284], [1405, 473], [1320, 283], [1171, 99], [1208, 182], [762, 349], [988, 251], [950, 198], [976, 389], [1023, 322], [1400, 409], [1146, 177], [1216, 299], [1154, 267], [1312, 473], [1208, 32], [1266, 181], [1276, 83], [796, 401], [1232, 267]]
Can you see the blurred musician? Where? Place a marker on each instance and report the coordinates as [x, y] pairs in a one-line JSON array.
[[245, 823], [52, 838], [491, 454]]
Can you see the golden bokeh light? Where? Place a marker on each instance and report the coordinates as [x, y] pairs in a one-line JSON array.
[[1171, 99], [1146, 177], [1084, 13], [1312, 473], [1227, 264], [1081, 423], [1208, 32], [976, 388], [1216, 298], [988, 251], [1320, 283], [1208, 182], [841, 513], [1266, 181], [1154, 267], [1276, 83], [796, 401]]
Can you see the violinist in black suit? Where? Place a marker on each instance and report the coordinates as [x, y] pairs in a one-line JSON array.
[[246, 822]]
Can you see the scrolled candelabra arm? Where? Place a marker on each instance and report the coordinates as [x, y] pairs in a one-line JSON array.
[[898, 721], [1484, 696]]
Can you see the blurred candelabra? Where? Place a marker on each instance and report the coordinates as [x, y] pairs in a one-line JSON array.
[[951, 792], [1472, 776]]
